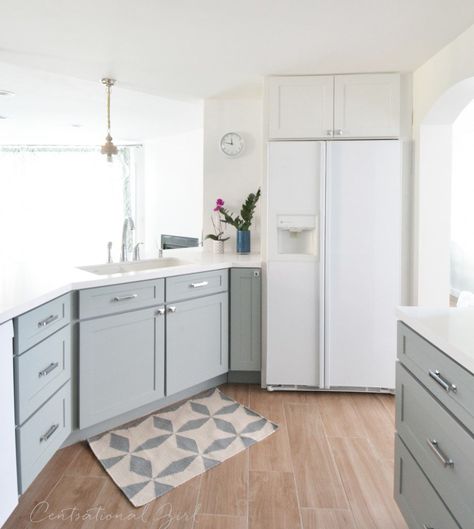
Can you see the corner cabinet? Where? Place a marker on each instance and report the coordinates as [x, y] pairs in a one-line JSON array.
[[121, 363], [334, 106], [196, 341]]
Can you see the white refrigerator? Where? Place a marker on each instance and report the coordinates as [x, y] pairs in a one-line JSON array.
[[334, 236]]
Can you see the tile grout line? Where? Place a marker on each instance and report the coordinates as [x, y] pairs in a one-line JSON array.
[[196, 505], [248, 467], [344, 488], [300, 513]]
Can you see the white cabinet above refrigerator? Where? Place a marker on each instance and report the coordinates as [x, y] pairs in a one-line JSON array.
[[334, 106]]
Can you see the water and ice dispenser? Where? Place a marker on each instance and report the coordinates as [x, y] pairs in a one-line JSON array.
[[298, 234]]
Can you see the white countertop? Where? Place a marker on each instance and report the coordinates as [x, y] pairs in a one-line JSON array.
[[449, 329], [24, 286]]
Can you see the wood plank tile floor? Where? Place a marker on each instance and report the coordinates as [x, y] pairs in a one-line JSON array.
[[329, 466]]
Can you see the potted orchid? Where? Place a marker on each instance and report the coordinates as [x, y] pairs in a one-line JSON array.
[[218, 236]]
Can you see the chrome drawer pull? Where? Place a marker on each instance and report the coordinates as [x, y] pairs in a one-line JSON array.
[[49, 433], [427, 526], [48, 320], [125, 298], [47, 370], [172, 309], [201, 284], [434, 445], [161, 311], [442, 381]]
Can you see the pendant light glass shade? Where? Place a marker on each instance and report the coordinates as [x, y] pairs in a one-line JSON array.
[[109, 149]]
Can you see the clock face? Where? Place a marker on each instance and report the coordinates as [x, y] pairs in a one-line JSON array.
[[232, 144]]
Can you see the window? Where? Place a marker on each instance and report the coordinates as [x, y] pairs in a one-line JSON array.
[[64, 204]]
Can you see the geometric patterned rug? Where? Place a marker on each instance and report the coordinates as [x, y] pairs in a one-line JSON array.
[[180, 442]]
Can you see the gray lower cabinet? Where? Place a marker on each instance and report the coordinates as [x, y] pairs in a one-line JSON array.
[[196, 341], [435, 441], [245, 320], [40, 437], [121, 365]]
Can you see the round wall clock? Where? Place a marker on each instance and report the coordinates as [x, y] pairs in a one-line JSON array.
[[232, 144]]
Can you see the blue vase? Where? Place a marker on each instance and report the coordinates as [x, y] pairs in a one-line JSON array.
[[243, 241]]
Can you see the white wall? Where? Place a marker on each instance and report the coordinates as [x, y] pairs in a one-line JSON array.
[[232, 179], [442, 87], [172, 192]]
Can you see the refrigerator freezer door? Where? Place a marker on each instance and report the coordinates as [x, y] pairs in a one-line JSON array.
[[363, 262], [294, 194], [293, 330]]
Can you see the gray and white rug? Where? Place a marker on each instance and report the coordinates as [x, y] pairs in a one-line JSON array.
[[167, 449]]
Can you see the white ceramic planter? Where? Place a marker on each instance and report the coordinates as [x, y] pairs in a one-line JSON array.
[[218, 246]]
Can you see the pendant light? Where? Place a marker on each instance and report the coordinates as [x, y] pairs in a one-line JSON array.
[[109, 149]]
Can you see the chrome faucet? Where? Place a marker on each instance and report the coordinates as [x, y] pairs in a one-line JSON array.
[[128, 226], [136, 252]]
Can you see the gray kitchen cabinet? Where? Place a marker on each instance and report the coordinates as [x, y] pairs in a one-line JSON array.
[[245, 321], [435, 437], [196, 341], [121, 364]]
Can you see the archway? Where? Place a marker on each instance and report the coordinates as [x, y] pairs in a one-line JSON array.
[[435, 160]]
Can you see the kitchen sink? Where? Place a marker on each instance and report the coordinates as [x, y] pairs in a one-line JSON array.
[[133, 266]]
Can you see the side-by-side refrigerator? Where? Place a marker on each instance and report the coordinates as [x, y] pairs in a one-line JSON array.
[[334, 246]]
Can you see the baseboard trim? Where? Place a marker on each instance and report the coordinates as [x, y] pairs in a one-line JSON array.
[[120, 420], [244, 377]]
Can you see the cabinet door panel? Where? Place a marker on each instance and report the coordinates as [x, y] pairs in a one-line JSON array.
[[301, 106], [197, 342], [121, 364], [367, 106], [245, 327]]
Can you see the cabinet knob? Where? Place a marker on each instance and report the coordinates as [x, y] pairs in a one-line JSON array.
[[160, 311], [172, 309], [339, 132], [329, 132]]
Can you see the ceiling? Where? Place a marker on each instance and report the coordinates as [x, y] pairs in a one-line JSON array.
[[187, 50], [56, 109]]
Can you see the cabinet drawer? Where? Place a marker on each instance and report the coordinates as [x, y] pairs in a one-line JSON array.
[[39, 323], [449, 382], [43, 434], [41, 371], [196, 285], [442, 447], [418, 501], [120, 298]]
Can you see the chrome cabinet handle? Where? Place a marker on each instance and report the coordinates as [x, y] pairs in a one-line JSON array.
[[47, 370], [339, 132], [427, 526], [125, 298], [161, 311], [200, 284], [329, 132], [172, 309], [445, 460], [48, 320], [49, 433], [442, 381]]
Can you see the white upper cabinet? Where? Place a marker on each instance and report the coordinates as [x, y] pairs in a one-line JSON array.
[[367, 106], [334, 106], [301, 106]]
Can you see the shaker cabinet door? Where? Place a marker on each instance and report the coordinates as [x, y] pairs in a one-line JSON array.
[[300, 107], [367, 106], [196, 341], [245, 319], [121, 364]]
